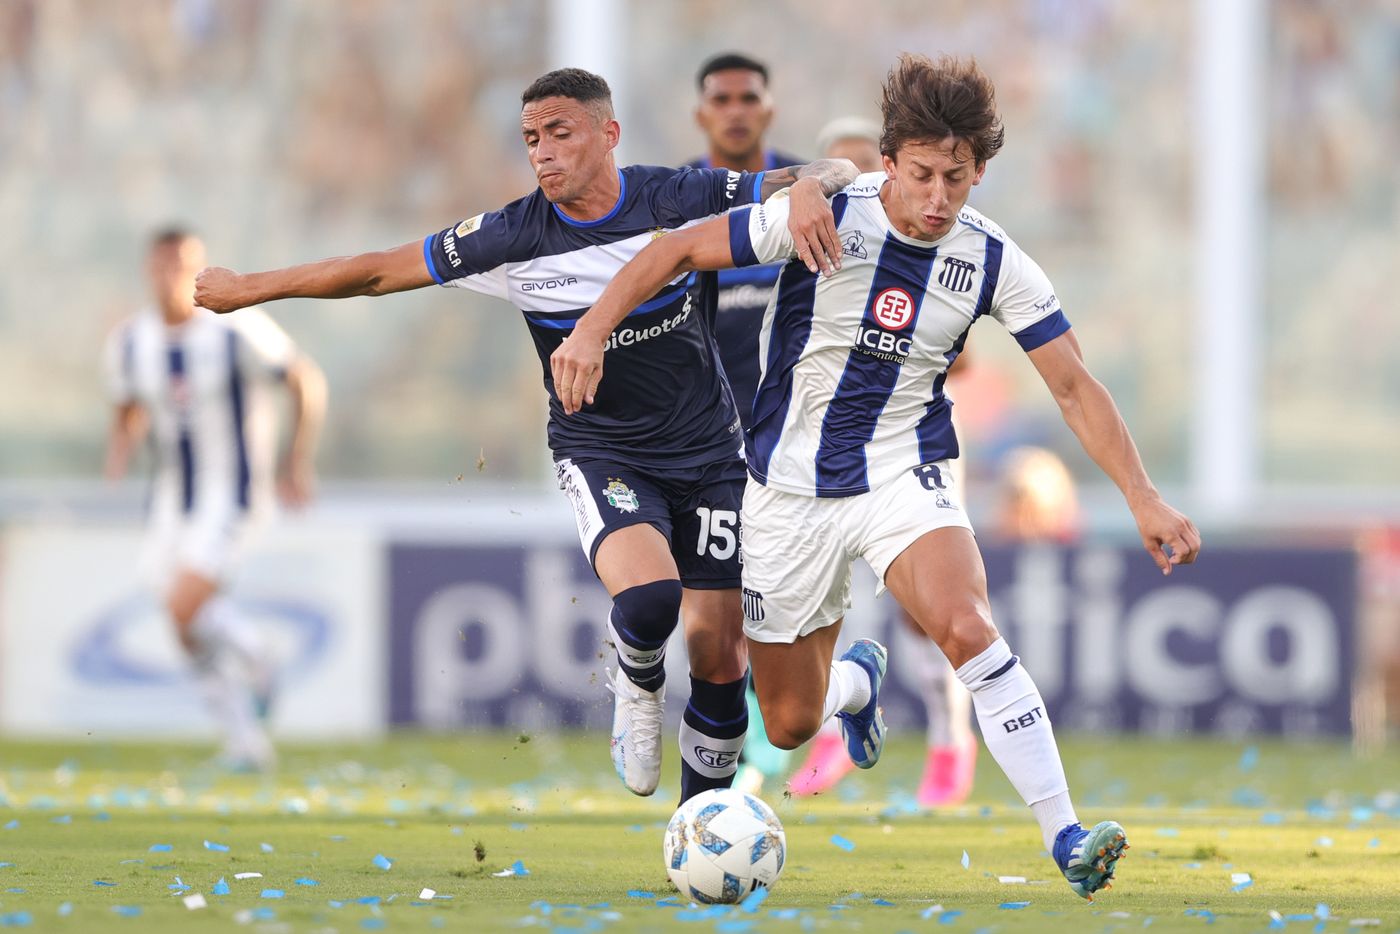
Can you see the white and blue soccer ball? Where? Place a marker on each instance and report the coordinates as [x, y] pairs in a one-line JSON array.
[[723, 844]]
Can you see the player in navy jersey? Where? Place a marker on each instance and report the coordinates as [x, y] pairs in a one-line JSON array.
[[734, 110], [653, 467], [849, 454]]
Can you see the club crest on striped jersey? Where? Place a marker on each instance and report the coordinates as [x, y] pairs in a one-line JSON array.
[[956, 275], [893, 308]]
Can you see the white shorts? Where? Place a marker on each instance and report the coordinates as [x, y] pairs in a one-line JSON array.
[[798, 550], [209, 542]]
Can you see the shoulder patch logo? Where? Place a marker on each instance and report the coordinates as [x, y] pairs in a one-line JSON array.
[[957, 274], [468, 226], [620, 496]]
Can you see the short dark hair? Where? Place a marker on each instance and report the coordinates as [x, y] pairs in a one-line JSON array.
[[929, 101], [582, 86], [730, 61], [171, 235]]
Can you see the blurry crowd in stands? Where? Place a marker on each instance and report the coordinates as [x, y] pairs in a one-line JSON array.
[[287, 131]]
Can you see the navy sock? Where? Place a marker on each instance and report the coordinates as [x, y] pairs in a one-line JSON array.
[[712, 734], [641, 621]]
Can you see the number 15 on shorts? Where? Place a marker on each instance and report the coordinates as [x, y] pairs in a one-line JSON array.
[[719, 532]]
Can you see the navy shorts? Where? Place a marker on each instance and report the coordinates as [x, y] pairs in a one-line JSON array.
[[696, 508]]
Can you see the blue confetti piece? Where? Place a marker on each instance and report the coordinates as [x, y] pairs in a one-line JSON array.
[[102, 815], [265, 847], [519, 869], [65, 909], [966, 861], [373, 924], [1272, 818], [62, 819], [1191, 866], [1322, 911], [1014, 906], [753, 900], [12, 824], [102, 882], [382, 862], [220, 887], [640, 893], [635, 828], [517, 826], [335, 904], [5, 865], [15, 891], [367, 900], [337, 837], [736, 926], [839, 841], [881, 902], [1249, 758], [264, 914], [1168, 832], [948, 917], [127, 911], [1374, 842], [1242, 886], [160, 848], [307, 882], [16, 919], [216, 847], [272, 893]]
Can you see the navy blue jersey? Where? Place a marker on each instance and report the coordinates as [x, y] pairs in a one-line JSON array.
[[741, 295], [663, 400]]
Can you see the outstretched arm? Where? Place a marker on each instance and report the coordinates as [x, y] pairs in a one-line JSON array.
[[1091, 414], [379, 273], [577, 363]]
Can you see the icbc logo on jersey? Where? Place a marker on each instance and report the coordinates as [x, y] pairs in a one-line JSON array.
[[893, 308]]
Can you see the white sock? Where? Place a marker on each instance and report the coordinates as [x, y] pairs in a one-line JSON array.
[[231, 659], [1017, 732], [219, 627], [1054, 814], [847, 688]]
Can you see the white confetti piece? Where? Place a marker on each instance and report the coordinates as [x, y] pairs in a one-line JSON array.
[[427, 895], [1239, 878], [1012, 880], [247, 875], [195, 902]]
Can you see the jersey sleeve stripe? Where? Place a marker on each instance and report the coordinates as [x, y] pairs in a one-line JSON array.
[[1042, 332], [740, 247], [428, 259], [758, 187]]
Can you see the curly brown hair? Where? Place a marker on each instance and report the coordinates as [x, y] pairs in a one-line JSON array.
[[926, 101]]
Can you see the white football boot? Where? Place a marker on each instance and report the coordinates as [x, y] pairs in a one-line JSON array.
[[636, 732]]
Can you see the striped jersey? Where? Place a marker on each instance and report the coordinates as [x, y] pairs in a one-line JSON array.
[[208, 388], [663, 400], [851, 392], [740, 297]]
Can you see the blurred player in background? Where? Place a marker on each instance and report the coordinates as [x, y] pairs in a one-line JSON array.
[[849, 452], [653, 469], [734, 110], [204, 388]]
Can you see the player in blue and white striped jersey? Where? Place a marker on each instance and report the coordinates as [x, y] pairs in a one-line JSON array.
[[205, 389], [851, 438], [653, 468]]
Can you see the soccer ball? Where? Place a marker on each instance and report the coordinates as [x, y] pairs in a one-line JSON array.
[[723, 844]]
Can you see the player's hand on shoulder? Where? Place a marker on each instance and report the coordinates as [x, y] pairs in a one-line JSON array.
[[1169, 537], [813, 227], [219, 289], [577, 368]]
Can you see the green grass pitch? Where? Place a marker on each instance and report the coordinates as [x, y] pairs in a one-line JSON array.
[[94, 838]]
